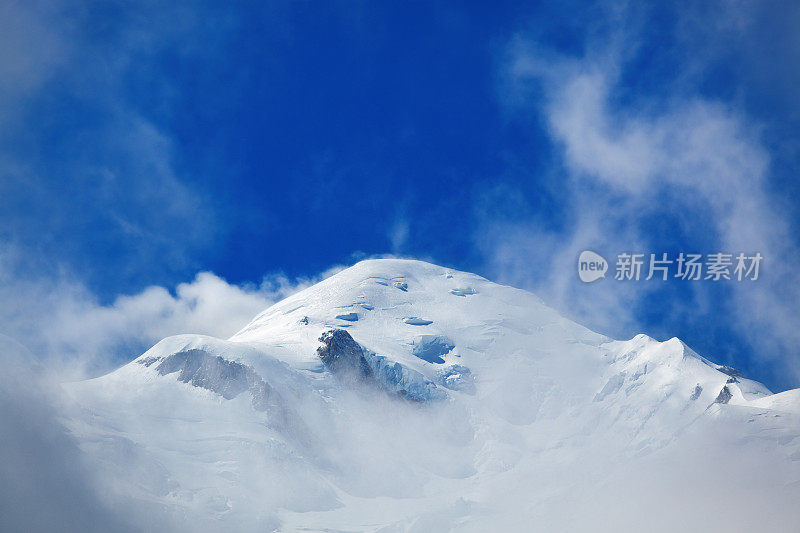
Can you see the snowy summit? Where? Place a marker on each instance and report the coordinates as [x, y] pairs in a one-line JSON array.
[[398, 395]]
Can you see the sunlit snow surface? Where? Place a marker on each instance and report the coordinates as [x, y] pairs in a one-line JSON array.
[[526, 421]]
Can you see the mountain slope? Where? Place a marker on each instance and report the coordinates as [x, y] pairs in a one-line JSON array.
[[404, 395]]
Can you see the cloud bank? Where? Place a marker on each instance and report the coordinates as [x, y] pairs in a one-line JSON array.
[[48, 482]]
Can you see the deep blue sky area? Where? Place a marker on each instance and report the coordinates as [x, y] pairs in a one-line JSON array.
[[306, 130], [323, 137], [141, 143]]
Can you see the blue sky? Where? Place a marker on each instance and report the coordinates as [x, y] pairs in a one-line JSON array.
[[141, 144]]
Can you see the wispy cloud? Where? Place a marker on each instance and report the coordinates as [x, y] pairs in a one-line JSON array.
[[83, 166], [696, 162]]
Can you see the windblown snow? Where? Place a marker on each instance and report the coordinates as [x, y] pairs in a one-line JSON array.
[[398, 395]]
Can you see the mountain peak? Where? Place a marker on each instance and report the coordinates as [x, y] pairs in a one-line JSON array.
[[451, 376]]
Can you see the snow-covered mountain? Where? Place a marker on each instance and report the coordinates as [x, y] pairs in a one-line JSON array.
[[398, 395]]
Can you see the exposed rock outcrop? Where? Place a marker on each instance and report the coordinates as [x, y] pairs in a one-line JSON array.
[[343, 356], [724, 395], [217, 374]]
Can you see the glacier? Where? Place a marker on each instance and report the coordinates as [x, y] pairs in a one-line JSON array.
[[399, 395]]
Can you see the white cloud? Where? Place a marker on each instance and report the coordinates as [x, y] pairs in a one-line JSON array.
[[627, 162], [399, 234], [63, 322], [49, 485]]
